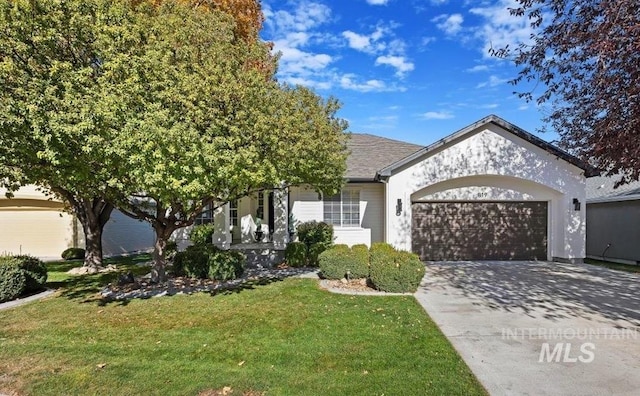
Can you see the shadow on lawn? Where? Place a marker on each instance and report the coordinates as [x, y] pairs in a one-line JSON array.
[[87, 288], [553, 290]]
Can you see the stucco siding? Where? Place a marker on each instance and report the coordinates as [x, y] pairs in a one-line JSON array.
[[617, 224], [491, 164]]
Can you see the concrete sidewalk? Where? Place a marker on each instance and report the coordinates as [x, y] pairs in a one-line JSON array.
[[520, 336], [22, 301]]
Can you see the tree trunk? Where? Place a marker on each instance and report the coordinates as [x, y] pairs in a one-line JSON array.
[[158, 271], [93, 214]]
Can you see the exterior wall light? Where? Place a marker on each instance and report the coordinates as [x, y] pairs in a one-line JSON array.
[[399, 207], [576, 204]]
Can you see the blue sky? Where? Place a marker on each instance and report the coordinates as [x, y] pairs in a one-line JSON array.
[[413, 70]]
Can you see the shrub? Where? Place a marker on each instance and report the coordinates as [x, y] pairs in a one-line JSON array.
[[207, 261], [73, 254], [20, 275], [313, 232], [35, 272], [226, 265], [201, 234], [296, 254], [338, 261], [170, 250], [361, 261], [12, 279], [314, 253], [394, 271]]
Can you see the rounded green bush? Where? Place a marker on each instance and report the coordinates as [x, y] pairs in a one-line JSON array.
[[396, 272], [73, 254], [296, 254], [313, 232], [339, 262], [13, 280], [207, 261], [35, 272], [314, 253]]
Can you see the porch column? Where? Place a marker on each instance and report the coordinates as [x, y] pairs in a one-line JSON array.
[[221, 230], [280, 218]]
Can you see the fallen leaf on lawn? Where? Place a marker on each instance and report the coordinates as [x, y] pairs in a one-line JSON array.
[[158, 342], [365, 372], [241, 363], [101, 365]]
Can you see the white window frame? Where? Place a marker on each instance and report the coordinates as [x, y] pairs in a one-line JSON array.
[[206, 216], [349, 209], [233, 213]]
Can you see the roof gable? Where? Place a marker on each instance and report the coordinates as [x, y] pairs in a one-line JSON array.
[[507, 126]]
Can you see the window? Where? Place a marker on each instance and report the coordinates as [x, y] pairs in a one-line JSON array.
[[206, 217], [233, 213], [343, 209]]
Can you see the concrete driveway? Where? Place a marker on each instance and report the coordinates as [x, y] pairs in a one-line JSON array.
[[540, 328]]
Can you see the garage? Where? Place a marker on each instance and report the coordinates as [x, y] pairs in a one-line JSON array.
[[41, 231], [450, 231]]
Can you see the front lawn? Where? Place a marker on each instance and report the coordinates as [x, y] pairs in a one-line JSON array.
[[285, 338]]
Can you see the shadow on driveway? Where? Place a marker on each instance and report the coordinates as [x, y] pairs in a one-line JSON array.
[[553, 290]]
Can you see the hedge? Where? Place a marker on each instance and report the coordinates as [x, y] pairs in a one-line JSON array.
[[20, 275], [340, 261], [313, 232], [209, 262], [296, 254], [395, 271], [73, 254]]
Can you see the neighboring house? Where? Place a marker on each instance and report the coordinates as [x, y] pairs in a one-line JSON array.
[[32, 223], [613, 220], [488, 191]]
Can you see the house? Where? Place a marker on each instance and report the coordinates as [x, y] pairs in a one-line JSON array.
[[488, 191], [33, 223], [613, 220]]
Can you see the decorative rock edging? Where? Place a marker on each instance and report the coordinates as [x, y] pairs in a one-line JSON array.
[[324, 283], [22, 301], [145, 289]]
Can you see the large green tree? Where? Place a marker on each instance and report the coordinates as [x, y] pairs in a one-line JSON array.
[[55, 124], [157, 108], [586, 55], [205, 125]]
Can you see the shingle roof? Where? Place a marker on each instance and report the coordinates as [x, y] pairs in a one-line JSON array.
[[369, 154], [600, 189]]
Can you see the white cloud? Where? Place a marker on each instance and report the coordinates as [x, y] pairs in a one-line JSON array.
[[378, 2], [437, 115], [500, 28], [439, 2], [368, 43], [400, 63], [489, 106], [450, 24], [292, 33], [349, 81], [493, 81], [477, 68]]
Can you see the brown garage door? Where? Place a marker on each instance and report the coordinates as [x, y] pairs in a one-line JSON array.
[[480, 230]]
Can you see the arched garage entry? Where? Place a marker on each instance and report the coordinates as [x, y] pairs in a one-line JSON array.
[[487, 217]]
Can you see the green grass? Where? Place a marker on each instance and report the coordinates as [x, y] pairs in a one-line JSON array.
[[614, 266], [285, 338]]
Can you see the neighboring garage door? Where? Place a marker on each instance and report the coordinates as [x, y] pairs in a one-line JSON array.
[[480, 230], [42, 233]]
